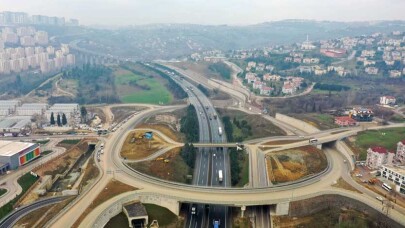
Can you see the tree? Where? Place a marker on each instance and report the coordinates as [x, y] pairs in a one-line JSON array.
[[83, 113], [64, 120], [52, 119], [58, 120]]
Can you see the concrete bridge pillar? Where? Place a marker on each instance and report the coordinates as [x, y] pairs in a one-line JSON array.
[[282, 208], [243, 209]]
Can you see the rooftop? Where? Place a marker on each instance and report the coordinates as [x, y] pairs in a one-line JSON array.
[[9, 148], [396, 169], [135, 210]]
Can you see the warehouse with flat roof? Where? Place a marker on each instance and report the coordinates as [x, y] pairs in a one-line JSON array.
[[15, 154]]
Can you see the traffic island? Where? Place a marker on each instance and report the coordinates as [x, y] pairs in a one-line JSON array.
[[294, 164], [141, 144]]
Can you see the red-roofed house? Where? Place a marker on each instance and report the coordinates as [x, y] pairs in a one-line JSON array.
[[387, 100], [400, 154], [265, 90], [378, 156], [345, 121]]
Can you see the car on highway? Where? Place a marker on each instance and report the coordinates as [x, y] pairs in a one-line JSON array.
[[193, 209], [379, 198]]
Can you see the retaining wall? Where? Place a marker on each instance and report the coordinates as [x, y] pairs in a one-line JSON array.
[[299, 124]]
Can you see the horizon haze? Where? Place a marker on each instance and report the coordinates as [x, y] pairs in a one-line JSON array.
[[209, 12]]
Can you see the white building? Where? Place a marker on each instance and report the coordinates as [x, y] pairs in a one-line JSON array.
[[395, 174], [31, 109], [387, 100], [400, 153], [378, 156]]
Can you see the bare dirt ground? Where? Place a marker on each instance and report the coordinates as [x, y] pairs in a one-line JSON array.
[[173, 170], [335, 217], [99, 111], [343, 184], [136, 146], [120, 113], [60, 164], [294, 164], [165, 129], [113, 188]]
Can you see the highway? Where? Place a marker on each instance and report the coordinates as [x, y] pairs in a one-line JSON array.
[[209, 161], [13, 218], [315, 186]]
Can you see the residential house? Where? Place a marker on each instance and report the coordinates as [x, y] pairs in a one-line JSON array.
[[297, 60], [368, 53], [252, 64], [345, 121], [368, 62], [305, 69], [250, 77], [269, 77], [269, 68], [288, 88], [257, 85], [387, 100], [378, 156], [265, 90], [371, 70], [389, 62], [320, 71], [400, 153], [260, 67], [395, 73]]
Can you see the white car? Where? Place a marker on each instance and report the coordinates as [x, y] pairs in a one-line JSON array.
[[379, 198], [359, 175]]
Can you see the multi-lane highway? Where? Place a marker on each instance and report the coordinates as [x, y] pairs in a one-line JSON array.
[[210, 161]]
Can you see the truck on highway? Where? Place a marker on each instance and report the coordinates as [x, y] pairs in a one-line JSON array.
[[216, 223], [220, 176], [219, 130]]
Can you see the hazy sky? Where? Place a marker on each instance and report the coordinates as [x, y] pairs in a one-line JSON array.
[[126, 12]]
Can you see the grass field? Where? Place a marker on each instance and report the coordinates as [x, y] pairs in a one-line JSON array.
[[387, 138], [2, 191], [175, 170], [133, 88], [25, 181], [161, 214], [320, 121]]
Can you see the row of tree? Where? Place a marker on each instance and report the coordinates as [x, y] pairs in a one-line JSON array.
[[331, 87], [222, 69], [189, 153], [61, 120], [172, 86], [189, 125], [236, 158]]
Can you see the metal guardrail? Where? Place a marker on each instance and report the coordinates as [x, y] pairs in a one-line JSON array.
[[5, 219]]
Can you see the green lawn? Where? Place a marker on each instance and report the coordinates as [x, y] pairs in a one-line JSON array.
[[387, 138], [46, 152], [25, 181], [161, 214], [2, 191], [133, 88]]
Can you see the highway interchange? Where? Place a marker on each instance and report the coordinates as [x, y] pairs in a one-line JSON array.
[[207, 189]]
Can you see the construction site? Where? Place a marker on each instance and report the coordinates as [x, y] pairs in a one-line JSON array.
[[140, 144]]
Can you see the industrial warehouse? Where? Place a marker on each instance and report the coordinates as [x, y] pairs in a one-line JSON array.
[[15, 154]]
